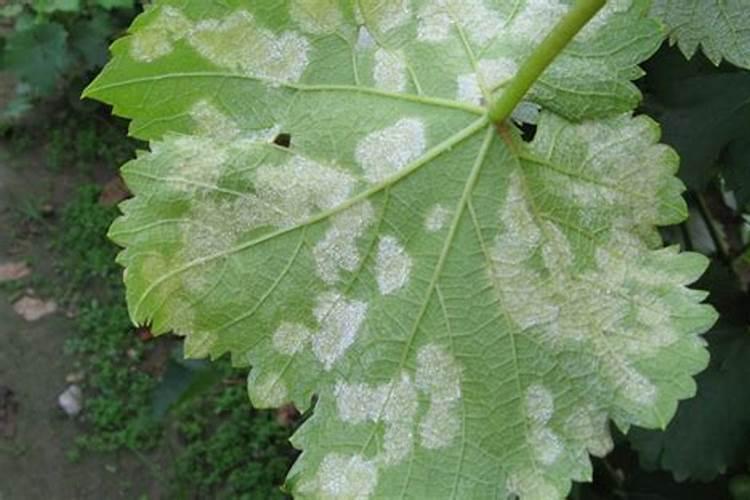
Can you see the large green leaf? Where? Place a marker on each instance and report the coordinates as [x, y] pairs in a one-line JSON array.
[[720, 27], [326, 200], [710, 433]]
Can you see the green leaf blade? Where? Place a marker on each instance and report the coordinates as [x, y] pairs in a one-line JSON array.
[[721, 29], [469, 309]]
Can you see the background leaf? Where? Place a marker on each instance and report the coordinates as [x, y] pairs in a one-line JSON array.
[[720, 27]]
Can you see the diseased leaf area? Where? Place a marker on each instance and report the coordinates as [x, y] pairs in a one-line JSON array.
[[470, 309], [720, 27]]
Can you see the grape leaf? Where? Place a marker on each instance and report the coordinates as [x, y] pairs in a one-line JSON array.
[[38, 55], [720, 27], [326, 200], [720, 408], [700, 117]]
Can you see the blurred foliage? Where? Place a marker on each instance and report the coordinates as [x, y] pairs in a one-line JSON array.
[[44, 44]]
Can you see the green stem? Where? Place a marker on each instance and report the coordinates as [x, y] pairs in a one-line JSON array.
[[543, 55]]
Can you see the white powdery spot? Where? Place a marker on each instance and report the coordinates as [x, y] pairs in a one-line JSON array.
[[392, 266], [389, 71], [556, 252], [385, 15], [539, 404], [365, 39], [528, 484], [468, 89], [436, 20], [522, 235], [439, 426], [212, 122], [492, 73], [197, 161], [535, 21], [591, 427], [394, 403], [358, 403], [157, 39], [439, 375], [318, 17], [288, 194], [239, 44], [399, 415], [269, 392], [602, 17], [346, 477], [338, 248], [635, 386], [340, 320], [436, 218], [385, 152], [546, 444], [290, 338]]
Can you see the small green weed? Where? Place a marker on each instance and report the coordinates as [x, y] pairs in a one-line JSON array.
[[231, 450]]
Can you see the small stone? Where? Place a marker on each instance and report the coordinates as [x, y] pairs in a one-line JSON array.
[[71, 400], [74, 378], [11, 271], [33, 309]]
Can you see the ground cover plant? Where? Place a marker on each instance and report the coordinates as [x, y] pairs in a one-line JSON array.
[[440, 218]]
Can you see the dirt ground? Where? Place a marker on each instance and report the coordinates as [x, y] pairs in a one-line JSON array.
[[33, 368]]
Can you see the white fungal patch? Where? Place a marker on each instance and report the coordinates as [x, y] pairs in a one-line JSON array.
[[383, 153], [591, 427], [239, 44], [394, 403], [365, 39], [535, 21], [157, 39], [392, 266], [340, 321], [197, 162], [288, 194], [318, 17], [268, 392], [358, 403], [602, 17], [290, 338], [556, 252], [212, 122], [439, 426], [492, 73], [468, 89], [528, 484], [635, 386], [436, 218], [400, 413], [346, 477], [389, 71], [479, 23], [385, 15], [546, 444], [439, 376], [539, 404], [337, 249]]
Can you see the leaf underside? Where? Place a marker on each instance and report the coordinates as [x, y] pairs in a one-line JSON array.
[[325, 200], [720, 27]]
